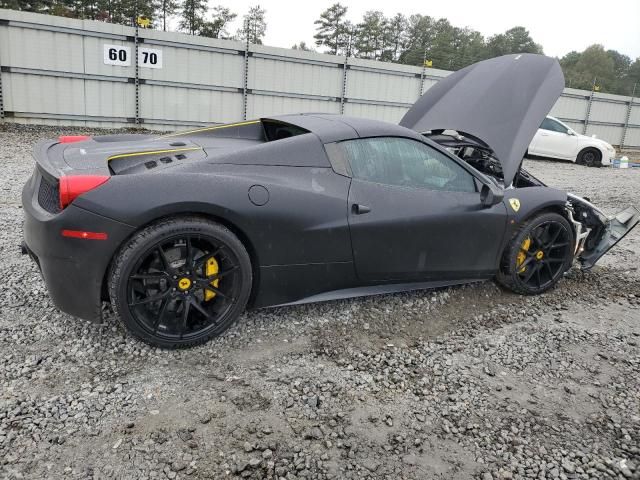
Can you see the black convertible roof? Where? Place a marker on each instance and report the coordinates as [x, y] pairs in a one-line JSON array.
[[334, 128]]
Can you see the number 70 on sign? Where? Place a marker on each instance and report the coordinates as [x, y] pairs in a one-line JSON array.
[[149, 57]]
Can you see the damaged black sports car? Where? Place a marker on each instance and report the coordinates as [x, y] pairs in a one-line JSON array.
[[182, 232]]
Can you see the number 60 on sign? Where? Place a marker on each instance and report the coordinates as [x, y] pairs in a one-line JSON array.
[[117, 55]]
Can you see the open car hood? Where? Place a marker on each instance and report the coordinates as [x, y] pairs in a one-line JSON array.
[[501, 101]]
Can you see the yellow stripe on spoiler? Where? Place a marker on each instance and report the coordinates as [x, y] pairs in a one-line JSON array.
[[154, 152], [206, 129]]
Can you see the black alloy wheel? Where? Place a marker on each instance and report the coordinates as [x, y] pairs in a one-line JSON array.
[[181, 282], [538, 255]]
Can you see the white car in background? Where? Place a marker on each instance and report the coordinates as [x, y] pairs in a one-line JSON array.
[[554, 139]]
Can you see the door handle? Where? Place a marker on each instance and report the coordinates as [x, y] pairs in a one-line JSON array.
[[360, 209]]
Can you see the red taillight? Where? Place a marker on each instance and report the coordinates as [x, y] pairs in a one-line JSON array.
[[84, 235], [73, 186], [72, 138]]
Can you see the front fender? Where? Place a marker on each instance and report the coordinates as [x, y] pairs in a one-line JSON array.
[[522, 203]]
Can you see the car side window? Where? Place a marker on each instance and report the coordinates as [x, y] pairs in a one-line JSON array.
[[405, 162], [552, 125]]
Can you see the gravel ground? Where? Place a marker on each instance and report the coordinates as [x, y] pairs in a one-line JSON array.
[[467, 382]]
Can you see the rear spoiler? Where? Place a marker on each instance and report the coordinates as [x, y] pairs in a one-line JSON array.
[[48, 155]]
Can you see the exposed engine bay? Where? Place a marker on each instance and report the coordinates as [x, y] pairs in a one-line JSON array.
[[594, 232]]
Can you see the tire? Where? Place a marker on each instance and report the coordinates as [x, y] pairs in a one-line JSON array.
[[524, 269], [590, 157], [180, 282]]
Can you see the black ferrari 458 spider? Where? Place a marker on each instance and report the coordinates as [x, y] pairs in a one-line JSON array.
[[182, 232]]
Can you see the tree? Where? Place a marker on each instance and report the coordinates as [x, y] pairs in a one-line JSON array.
[[514, 40], [580, 69], [369, 39], [621, 83], [254, 25], [471, 48], [217, 27], [420, 35], [193, 16], [613, 71], [122, 12], [38, 6], [302, 46], [621, 63], [333, 29], [570, 59], [346, 39], [443, 48], [395, 37], [164, 9], [633, 78], [83, 9], [12, 4]]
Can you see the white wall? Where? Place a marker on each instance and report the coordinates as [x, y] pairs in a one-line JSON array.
[[53, 72]]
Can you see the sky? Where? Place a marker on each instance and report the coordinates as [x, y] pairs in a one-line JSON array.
[[560, 26]]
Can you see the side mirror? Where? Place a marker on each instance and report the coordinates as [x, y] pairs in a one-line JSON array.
[[490, 195], [571, 133]]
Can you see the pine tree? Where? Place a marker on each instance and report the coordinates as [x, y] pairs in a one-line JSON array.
[[420, 34], [302, 46], [254, 25], [332, 29], [192, 17], [395, 37], [370, 39], [217, 26], [164, 9]]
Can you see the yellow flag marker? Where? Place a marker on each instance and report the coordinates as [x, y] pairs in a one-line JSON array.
[[143, 22]]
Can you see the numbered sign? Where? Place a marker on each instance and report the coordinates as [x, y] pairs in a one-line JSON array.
[[117, 55], [149, 57]]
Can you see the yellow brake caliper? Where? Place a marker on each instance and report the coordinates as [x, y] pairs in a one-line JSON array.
[[211, 268], [522, 254]]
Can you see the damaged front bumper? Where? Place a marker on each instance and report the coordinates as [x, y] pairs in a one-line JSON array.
[[596, 233]]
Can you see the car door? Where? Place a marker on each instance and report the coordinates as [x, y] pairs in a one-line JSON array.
[[534, 146], [415, 214], [554, 140]]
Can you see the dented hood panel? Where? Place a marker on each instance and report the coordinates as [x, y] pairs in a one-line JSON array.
[[501, 101]]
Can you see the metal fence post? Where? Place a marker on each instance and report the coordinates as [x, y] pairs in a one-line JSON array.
[[1, 99], [345, 67], [586, 120], [424, 72], [137, 78], [624, 129], [343, 94], [245, 84]]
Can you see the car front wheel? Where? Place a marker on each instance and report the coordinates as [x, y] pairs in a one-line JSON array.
[[590, 157], [180, 282], [538, 255]]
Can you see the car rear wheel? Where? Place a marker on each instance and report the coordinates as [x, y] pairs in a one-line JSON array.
[[538, 255], [180, 282], [590, 157]]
